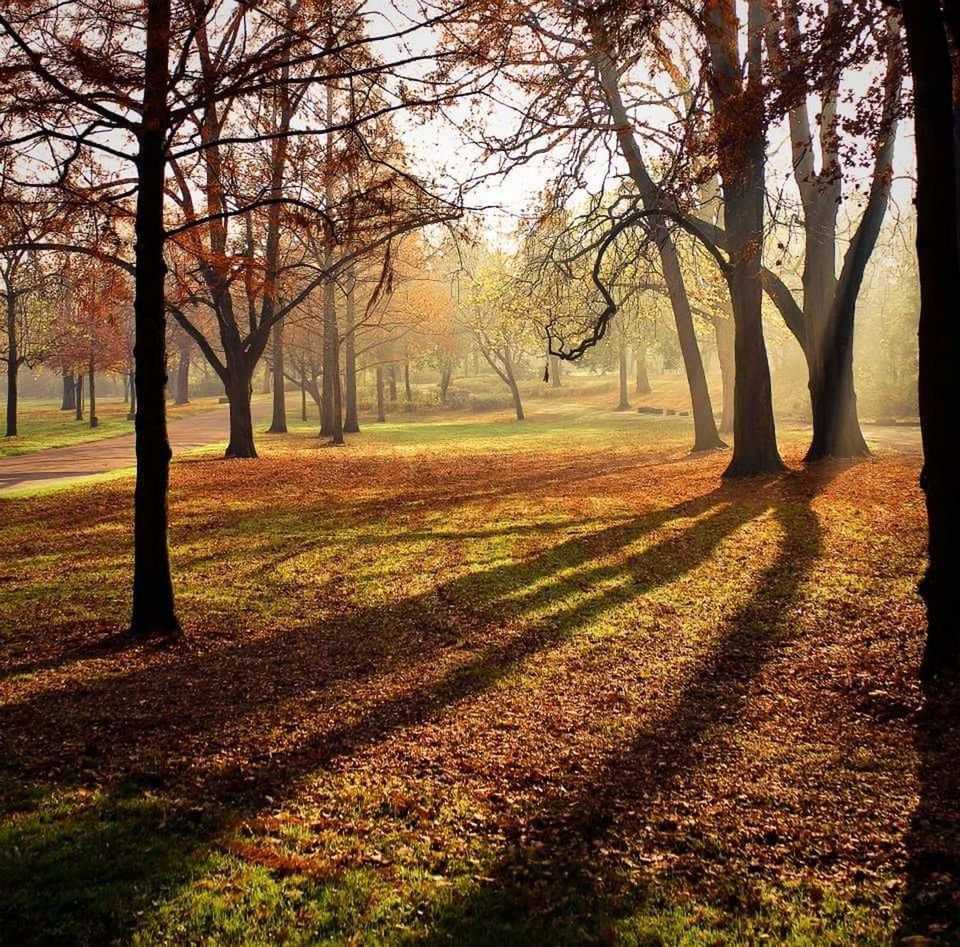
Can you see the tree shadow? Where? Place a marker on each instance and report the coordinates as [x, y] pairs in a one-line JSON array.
[[188, 724], [556, 884], [931, 902]]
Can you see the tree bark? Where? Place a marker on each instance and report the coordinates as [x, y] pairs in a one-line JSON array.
[[153, 607], [78, 395], [303, 395], [445, 373], [351, 423], [624, 404], [392, 381], [13, 364], [724, 332], [94, 420], [132, 413], [407, 391], [642, 386], [939, 336], [381, 413], [239, 388], [514, 387], [332, 417], [67, 401], [183, 377], [278, 422], [737, 92], [555, 380]]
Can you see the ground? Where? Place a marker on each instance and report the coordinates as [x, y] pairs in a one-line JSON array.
[[43, 425], [473, 682]]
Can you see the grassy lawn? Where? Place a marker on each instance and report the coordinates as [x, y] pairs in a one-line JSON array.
[[42, 424], [464, 681]]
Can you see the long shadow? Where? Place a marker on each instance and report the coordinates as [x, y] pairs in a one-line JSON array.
[[150, 727], [556, 885], [931, 902]]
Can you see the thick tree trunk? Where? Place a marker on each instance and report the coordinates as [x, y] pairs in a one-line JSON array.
[[381, 413], [555, 363], [94, 420], [278, 422], [724, 332], [67, 401], [407, 391], [78, 396], [624, 404], [153, 608], [939, 334], [183, 377], [351, 422], [755, 450], [239, 387], [13, 365], [736, 89]]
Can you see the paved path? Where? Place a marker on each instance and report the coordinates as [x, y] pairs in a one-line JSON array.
[[63, 464]]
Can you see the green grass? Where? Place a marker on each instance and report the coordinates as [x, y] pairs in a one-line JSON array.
[[41, 424], [467, 681]]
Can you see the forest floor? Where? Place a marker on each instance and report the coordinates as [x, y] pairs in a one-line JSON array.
[[467, 681]]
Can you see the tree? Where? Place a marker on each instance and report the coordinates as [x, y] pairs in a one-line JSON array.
[[932, 33]]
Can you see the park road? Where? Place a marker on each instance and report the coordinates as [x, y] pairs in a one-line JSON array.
[[60, 465]]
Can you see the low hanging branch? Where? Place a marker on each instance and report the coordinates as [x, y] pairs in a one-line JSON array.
[[599, 329]]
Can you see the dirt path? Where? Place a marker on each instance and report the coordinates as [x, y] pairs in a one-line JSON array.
[[64, 464]]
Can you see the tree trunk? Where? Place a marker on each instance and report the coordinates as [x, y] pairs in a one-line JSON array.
[[153, 607], [736, 91], [624, 404], [724, 332], [132, 413], [642, 386], [755, 450], [555, 363], [939, 335], [392, 381], [303, 395], [407, 392], [332, 425], [68, 399], [239, 387], [13, 364], [183, 377], [278, 423], [94, 420], [514, 388], [706, 436], [381, 414], [445, 373], [351, 423], [78, 395]]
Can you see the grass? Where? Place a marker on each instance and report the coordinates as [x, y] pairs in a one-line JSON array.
[[464, 681], [42, 425]]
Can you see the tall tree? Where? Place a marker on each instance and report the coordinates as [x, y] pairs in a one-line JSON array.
[[932, 32]]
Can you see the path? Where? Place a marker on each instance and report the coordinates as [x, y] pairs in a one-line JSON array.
[[63, 464]]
